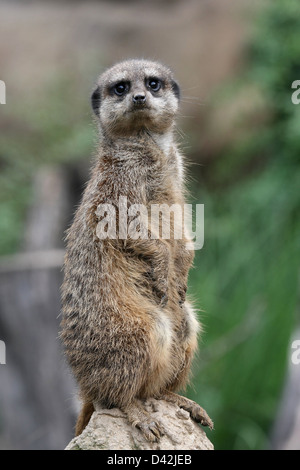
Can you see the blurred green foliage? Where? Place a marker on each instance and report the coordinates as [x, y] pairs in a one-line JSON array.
[[247, 276], [38, 130]]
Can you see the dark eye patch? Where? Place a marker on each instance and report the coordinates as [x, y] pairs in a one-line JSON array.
[[176, 89], [154, 84], [95, 100], [120, 88]]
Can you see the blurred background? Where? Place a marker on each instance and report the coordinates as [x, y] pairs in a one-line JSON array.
[[240, 131]]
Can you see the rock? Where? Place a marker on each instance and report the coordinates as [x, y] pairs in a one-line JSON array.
[[109, 429]]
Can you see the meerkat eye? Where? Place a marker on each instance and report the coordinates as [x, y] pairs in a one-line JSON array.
[[121, 88], [154, 84]]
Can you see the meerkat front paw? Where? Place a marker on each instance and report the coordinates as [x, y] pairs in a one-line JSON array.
[[182, 294], [160, 288], [161, 292]]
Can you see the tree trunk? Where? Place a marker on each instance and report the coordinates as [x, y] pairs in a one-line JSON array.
[[37, 404]]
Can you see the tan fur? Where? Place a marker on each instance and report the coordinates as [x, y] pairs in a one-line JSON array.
[[127, 330], [84, 417]]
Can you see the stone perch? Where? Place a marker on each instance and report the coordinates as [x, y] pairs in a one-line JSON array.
[[109, 429]]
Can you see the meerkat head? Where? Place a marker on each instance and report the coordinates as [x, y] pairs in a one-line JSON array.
[[135, 95]]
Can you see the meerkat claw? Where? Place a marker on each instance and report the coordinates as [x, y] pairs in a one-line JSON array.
[[151, 430]]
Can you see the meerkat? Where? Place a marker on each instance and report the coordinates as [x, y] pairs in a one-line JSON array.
[[128, 331]]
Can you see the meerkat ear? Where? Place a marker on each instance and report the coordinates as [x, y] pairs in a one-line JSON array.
[[176, 89], [95, 100]]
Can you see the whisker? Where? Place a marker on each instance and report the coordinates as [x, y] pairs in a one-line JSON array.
[[191, 97], [180, 132], [191, 88], [193, 102]]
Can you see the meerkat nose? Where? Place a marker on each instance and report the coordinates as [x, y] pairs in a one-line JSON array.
[[139, 99]]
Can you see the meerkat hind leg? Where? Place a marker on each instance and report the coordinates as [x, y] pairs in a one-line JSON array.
[[140, 418], [195, 410]]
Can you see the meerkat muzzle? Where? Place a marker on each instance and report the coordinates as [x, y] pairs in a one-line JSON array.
[[139, 99]]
